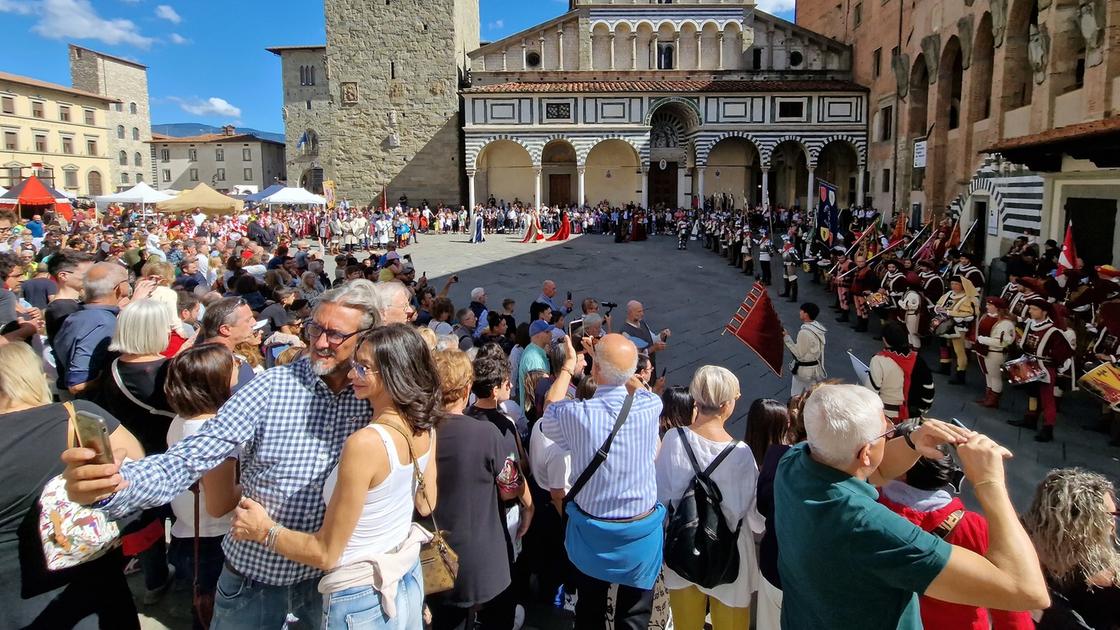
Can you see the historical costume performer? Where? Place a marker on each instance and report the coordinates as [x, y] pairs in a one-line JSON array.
[[900, 377], [959, 308], [565, 230], [533, 232], [842, 281], [864, 283], [1029, 289], [994, 333], [477, 227], [807, 351], [764, 253], [1043, 341], [913, 309], [933, 285], [791, 259], [966, 268]]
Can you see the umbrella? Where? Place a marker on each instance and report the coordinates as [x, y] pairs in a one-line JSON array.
[[203, 198]]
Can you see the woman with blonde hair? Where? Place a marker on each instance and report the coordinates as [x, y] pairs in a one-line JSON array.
[[35, 431], [685, 449], [1072, 522]]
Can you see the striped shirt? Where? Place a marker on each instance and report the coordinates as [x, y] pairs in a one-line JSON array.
[[625, 485], [288, 428]]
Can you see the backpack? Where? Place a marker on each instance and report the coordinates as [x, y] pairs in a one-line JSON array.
[[699, 545]]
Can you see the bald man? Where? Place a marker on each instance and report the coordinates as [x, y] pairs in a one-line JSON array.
[[82, 344], [622, 487], [548, 296], [641, 334]]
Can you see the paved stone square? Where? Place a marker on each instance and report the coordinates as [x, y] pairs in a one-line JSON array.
[[694, 293]]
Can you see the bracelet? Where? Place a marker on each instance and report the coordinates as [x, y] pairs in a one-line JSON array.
[[97, 505], [570, 371], [270, 537], [986, 482]]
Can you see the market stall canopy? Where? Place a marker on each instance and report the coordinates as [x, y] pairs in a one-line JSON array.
[[255, 197], [3, 190], [140, 193], [295, 196], [204, 198], [32, 194]]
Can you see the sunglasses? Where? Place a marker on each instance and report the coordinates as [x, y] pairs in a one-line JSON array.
[[363, 371]]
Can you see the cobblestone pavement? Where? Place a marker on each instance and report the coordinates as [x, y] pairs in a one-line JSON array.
[[694, 293]]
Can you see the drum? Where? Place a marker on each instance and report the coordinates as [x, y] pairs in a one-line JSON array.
[[940, 324], [878, 300], [1103, 381], [1024, 370]]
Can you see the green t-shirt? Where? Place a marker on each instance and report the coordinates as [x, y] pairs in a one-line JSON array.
[[846, 561], [533, 359]]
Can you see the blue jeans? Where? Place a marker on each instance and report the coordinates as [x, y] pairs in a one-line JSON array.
[[360, 607], [242, 603]]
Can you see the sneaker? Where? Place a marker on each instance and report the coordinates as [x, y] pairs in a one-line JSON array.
[[518, 617], [154, 595], [133, 566], [570, 600]]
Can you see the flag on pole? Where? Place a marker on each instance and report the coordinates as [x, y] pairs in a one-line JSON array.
[[863, 373], [899, 228], [1067, 260], [757, 325], [384, 200], [827, 213], [302, 141], [955, 236]]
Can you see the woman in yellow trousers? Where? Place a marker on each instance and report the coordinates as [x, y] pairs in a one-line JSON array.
[[715, 391]]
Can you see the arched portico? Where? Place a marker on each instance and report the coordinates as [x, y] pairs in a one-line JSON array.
[[505, 170], [613, 173]]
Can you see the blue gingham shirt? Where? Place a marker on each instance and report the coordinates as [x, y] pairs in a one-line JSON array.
[[287, 428], [626, 484]]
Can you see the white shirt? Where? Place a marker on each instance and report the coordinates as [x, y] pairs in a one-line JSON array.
[[736, 477], [551, 465], [183, 505]]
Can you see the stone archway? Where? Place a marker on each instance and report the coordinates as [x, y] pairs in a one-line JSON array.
[[613, 173], [789, 174], [1017, 81], [312, 180], [838, 164], [559, 173], [504, 169], [734, 168]]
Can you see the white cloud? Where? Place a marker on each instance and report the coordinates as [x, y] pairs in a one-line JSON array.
[[166, 12], [213, 106], [775, 6], [20, 7], [496, 25], [178, 39], [77, 19]]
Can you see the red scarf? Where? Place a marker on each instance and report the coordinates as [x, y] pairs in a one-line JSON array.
[[906, 363]]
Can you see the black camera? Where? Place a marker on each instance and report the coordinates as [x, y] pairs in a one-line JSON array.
[[609, 304]]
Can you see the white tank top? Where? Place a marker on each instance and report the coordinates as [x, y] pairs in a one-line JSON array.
[[385, 520]]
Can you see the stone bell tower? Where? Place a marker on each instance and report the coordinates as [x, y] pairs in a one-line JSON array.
[[395, 70]]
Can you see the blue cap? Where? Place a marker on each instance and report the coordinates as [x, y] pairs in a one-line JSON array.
[[539, 327]]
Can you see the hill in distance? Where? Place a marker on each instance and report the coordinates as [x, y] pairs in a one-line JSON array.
[[180, 130]]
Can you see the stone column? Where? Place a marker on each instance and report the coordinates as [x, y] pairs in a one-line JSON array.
[[633, 51], [676, 50], [591, 47], [560, 48], [719, 58], [540, 40], [581, 170], [524, 55], [812, 191], [699, 46], [859, 186], [470, 190], [537, 187], [645, 185], [700, 185], [766, 187], [653, 51], [611, 40]]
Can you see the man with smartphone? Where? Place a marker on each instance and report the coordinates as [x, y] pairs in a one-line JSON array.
[[548, 296], [637, 331]]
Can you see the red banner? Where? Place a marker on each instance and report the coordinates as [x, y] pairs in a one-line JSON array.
[[757, 325]]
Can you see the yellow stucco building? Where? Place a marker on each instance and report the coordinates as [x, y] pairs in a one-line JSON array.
[[55, 132]]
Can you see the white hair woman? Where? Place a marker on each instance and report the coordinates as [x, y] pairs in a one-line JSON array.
[[715, 391], [34, 431], [1072, 522], [132, 390]]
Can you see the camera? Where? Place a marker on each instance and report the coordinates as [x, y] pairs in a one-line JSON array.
[[609, 304]]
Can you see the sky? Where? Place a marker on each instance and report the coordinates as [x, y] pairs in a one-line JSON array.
[[202, 68]]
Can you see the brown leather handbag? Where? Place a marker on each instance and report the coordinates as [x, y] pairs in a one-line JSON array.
[[438, 560]]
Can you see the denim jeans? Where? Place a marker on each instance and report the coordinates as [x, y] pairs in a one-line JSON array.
[[241, 603], [360, 606]]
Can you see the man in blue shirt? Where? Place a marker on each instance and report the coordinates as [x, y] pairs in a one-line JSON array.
[[35, 226], [847, 561], [548, 296], [82, 344]]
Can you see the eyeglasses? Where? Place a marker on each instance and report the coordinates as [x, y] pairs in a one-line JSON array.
[[363, 371], [889, 435], [334, 337]]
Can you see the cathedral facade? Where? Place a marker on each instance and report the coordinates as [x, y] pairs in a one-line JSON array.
[[614, 100]]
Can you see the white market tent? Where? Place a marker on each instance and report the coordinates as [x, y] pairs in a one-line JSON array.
[[294, 197], [140, 193], [3, 190]]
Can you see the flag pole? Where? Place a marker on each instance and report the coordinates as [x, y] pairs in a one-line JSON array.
[[854, 245], [871, 260], [964, 239], [906, 252]]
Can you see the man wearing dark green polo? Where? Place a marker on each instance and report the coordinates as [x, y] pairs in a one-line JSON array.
[[847, 562]]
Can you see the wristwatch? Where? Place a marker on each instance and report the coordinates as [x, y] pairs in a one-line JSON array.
[[907, 427]]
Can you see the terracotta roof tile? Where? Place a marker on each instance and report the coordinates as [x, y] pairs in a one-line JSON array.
[[208, 137], [28, 81], [1068, 133], [552, 87]]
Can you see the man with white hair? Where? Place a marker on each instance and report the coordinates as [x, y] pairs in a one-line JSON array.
[[395, 302], [615, 524], [289, 425], [847, 561], [478, 307]]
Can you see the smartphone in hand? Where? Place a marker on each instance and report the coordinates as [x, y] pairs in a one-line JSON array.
[[92, 433]]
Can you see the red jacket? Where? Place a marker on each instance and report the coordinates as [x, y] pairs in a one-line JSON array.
[[972, 534]]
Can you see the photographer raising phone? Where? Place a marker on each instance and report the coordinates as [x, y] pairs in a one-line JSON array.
[[637, 331]]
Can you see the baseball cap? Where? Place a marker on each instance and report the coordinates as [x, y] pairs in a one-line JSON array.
[[392, 256], [260, 323], [539, 327]]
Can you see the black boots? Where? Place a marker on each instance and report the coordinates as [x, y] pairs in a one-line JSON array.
[[1045, 434], [793, 291], [843, 316], [861, 324], [785, 288], [958, 378]]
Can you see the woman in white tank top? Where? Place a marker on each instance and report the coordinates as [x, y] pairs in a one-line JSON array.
[[365, 523]]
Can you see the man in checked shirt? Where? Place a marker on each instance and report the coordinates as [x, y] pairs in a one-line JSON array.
[[287, 427]]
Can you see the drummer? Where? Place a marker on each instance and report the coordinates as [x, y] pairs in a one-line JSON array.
[[1043, 342], [1106, 349], [994, 333], [933, 286], [960, 305]]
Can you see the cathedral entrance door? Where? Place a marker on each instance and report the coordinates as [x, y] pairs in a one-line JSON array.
[[559, 189], [663, 185]]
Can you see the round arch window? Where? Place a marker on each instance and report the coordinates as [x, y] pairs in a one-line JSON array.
[[533, 59], [796, 59]]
